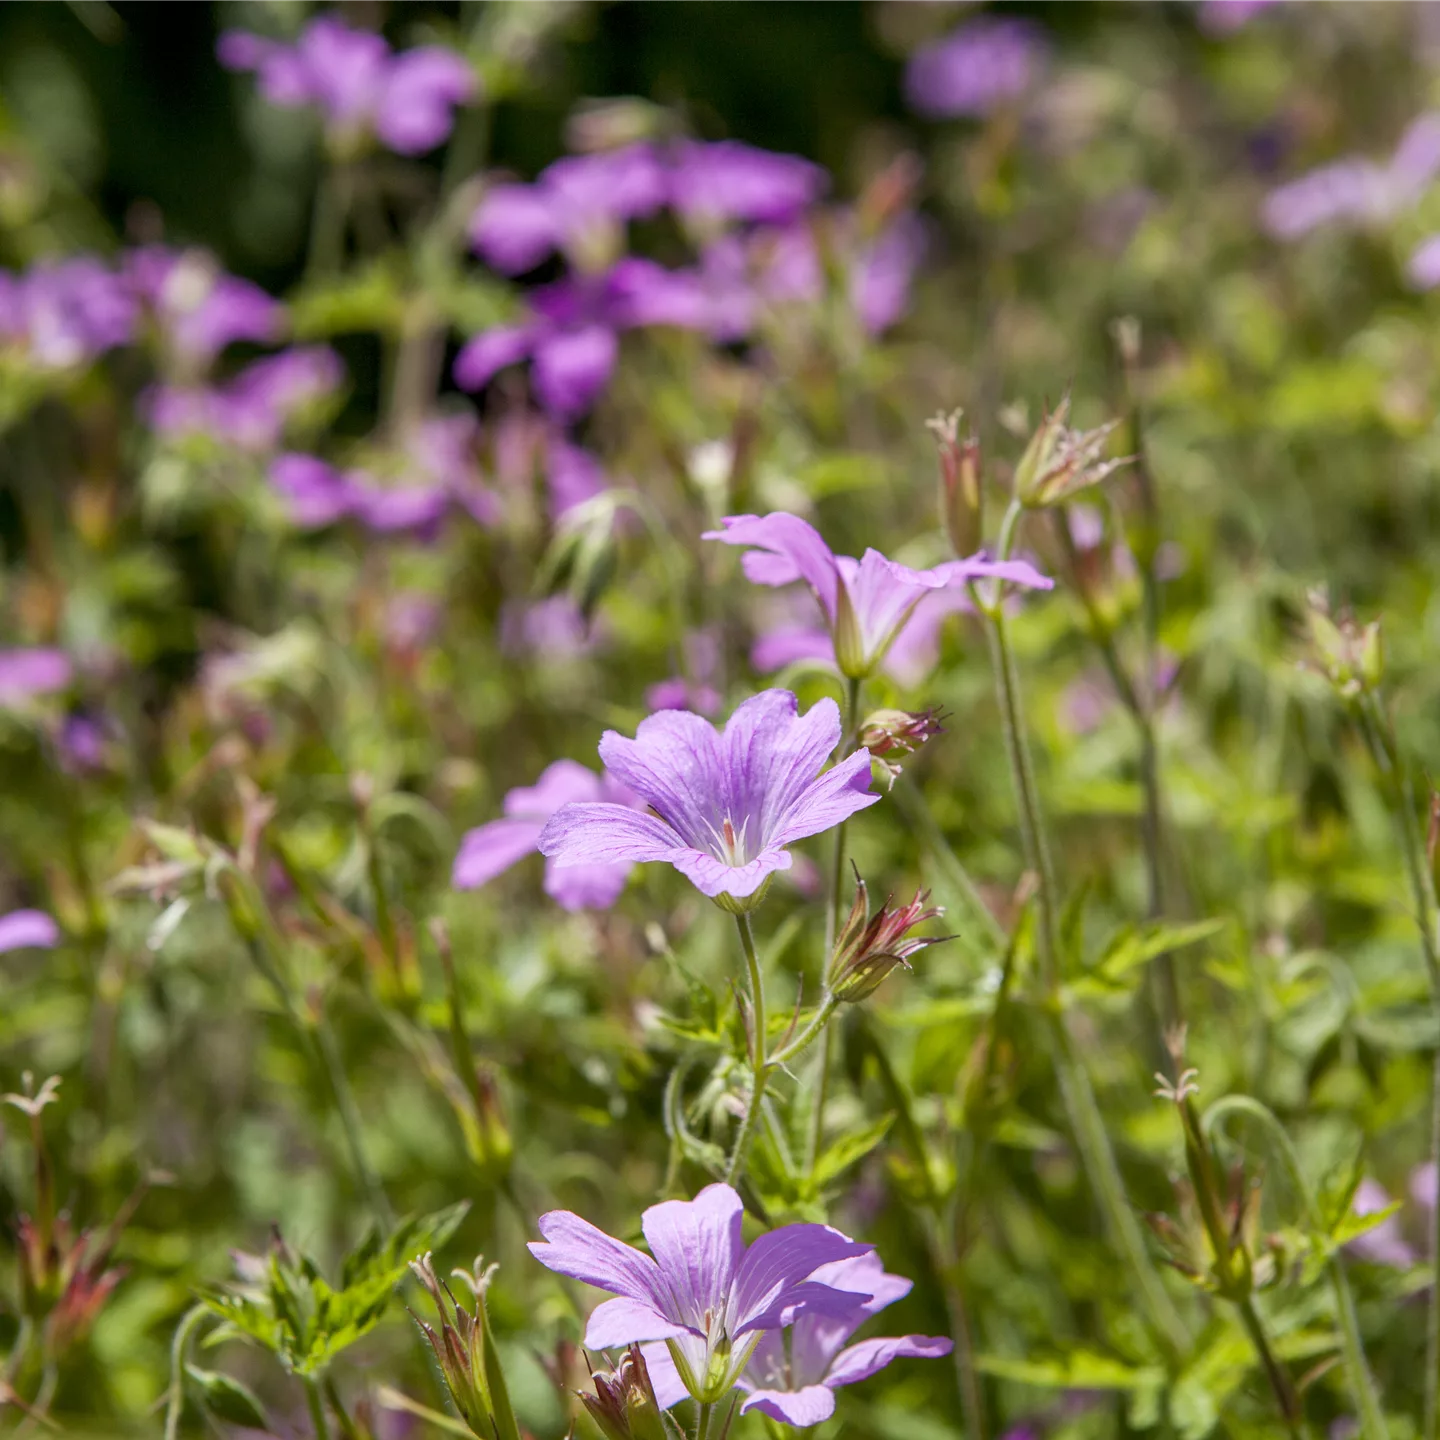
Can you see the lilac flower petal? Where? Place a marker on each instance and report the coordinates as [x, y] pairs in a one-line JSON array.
[[492, 849], [790, 644], [515, 227], [571, 368], [26, 929], [713, 877], [731, 181], [416, 110], [672, 764], [863, 1360], [576, 1248], [600, 834], [801, 1408], [794, 544], [981, 567], [39, 670], [560, 782], [623, 1321], [697, 1245], [777, 1264], [585, 887], [664, 1377], [838, 794], [486, 354]]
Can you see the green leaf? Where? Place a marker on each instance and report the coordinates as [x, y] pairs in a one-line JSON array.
[[849, 1149], [1135, 946], [1078, 1369], [227, 1399], [369, 300]]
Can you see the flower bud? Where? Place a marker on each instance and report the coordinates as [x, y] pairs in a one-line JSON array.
[[897, 732], [624, 1404], [869, 948], [962, 508], [1059, 461], [1349, 655], [849, 640]]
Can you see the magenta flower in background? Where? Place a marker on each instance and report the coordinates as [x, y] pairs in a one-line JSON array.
[[1385, 1244], [251, 411], [712, 184], [867, 602], [723, 805], [1223, 17], [28, 929], [358, 83], [705, 1292], [551, 630], [1422, 269], [492, 849], [66, 313], [198, 308], [883, 272], [574, 205], [26, 674], [793, 1374], [694, 690], [975, 69], [572, 334]]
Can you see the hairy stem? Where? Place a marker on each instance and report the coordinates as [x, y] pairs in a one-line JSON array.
[[316, 1402], [1285, 1396], [760, 1071], [175, 1395]]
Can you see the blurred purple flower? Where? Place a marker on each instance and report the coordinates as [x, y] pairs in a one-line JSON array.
[[711, 184], [198, 308], [492, 849], [357, 82], [66, 313], [82, 740], [1422, 1185], [411, 620], [252, 410], [975, 69], [705, 1291], [693, 691], [554, 629], [1422, 269], [574, 205], [867, 602], [723, 805], [1385, 1244], [26, 674], [792, 1375], [1223, 17], [27, 929], [882, 273], [572, 333]]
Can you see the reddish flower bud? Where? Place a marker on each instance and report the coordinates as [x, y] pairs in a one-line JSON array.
[[962, 504], [870, 947]]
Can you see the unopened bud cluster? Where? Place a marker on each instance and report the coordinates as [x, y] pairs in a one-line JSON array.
[[1060, 461], [1349, 655], [869, 946]]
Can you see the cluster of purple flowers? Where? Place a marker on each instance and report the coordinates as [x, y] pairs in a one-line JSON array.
[[976, 69], [752, 216], [360, 86], [772, 1318]]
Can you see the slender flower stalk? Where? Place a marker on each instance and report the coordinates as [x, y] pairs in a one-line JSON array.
[[759, 1066], [1086, 1120]]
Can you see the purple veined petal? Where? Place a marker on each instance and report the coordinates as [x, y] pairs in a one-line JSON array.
[[777, 1264], [623, 1321], [838, 794], [485, 355], [865, 1275], [571, 368], [664, 1377], [772, 756], [515, 227], [794, 542], [819, 1335], [884, 594], [417, 106], [28, 672], [801, 1408], [28, 929], [867, 1357], [789, 644], [601, 834], [585, 887], [492, 849], [673, 764], [713, 876], [727, 180], [697, 1245], [577, 1249]]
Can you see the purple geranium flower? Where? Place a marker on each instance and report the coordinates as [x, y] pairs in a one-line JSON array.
[[66, 313], [716, 183], [867, 602], [793, 1375], [572, 333], [704, 1292], [723, 806], [23, 929], [358, 83], [574, 205], [492, 849], [197, 307], [975, 69], [30, 672]]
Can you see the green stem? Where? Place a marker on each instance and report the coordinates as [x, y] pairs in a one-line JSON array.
[[760, 1072], [316, 1402], [1284, 1391], [1367, 1402], [175, 1395], [802, 1042], [702, 1428]]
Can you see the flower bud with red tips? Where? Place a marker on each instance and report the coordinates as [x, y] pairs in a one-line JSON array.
[[624, 1404], [962, 505], [870, 947], [897, 732]]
